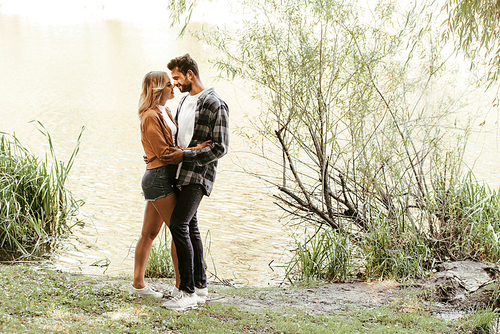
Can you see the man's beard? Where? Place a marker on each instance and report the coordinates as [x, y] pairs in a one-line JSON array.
[[185, 88]]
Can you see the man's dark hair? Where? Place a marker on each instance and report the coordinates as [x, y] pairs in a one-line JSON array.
[[184, 64]]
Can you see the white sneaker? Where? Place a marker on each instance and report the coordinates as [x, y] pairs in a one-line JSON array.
[[183, 301], [174, 292], [201, 294], [146, 292]]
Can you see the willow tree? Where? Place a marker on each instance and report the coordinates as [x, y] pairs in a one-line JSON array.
[[474, 26], [357, 121]]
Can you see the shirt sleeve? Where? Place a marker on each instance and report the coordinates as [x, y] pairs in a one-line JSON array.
[[154, 135], [219, 136]]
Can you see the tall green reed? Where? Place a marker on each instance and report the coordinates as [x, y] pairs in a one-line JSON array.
[[466, 216], [35, 205], [160, 263], [469, 221], [326, 255], [394, 253]]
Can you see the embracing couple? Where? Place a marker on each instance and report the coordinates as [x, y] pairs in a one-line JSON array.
[[181, 154]]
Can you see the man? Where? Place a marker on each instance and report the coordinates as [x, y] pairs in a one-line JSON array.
[[201, 115]]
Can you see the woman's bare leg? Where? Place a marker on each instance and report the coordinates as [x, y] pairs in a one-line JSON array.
[[165, 207], [156, 213], [150, 228]]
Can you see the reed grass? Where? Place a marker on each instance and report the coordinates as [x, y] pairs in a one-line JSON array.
[[467, 217], [394, 254], [469, 223], [160, 263], [326, 255], [35, 204], [483, 321]]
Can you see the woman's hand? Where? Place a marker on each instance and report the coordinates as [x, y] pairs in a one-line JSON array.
[[202, 145]]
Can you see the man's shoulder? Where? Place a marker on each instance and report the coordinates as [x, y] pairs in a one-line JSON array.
[[212, 99]]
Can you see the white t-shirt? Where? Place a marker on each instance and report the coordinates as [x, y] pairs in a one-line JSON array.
[[186, 120], [170, 123]]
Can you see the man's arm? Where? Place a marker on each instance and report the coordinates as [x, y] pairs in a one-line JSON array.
[[219, 136], [218, 113]]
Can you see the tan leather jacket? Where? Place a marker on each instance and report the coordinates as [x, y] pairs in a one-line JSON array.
[[156, 136]]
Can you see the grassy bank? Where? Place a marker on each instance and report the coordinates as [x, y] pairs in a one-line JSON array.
[[44, 301]]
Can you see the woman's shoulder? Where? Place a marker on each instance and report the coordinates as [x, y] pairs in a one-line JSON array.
[[149, 118], [150, 113]]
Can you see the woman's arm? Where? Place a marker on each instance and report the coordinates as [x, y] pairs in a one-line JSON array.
[[202, 145]]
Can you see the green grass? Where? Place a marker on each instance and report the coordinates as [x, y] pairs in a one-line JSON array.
[[43, 301], [326, 255], [483, 321], [35, 205]]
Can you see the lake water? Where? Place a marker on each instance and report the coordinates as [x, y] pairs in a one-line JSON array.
[[87, 71], [74, 64]]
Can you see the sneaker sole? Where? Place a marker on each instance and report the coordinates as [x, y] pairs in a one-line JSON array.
[[135, 294], [187, 308]]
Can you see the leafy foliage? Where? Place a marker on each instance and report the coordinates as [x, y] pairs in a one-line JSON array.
[[358, 126], [178, 9], [359, 137], [474, 25]]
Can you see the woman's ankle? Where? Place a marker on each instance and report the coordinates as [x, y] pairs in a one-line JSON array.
[[139, 285]]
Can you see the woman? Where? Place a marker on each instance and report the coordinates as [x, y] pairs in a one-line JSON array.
[[157, 135]]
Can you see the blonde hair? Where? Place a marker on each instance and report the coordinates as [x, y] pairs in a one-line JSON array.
[[152, 86]]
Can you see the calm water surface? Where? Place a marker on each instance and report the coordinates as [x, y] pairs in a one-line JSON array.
[[68, 73]]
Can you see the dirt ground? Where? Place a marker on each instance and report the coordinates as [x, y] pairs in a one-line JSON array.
[[323, 299], [456, 288]]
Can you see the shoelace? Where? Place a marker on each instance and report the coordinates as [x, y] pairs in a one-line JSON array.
[[179, 296]]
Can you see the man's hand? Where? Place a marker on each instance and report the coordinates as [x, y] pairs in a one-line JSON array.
[[145, 158], [173, 156]]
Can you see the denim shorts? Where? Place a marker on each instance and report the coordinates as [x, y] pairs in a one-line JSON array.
[[159, 182]]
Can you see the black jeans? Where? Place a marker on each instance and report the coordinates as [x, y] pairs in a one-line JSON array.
[[187, 238]]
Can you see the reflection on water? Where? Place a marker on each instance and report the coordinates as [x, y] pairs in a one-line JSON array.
[[89, 74]]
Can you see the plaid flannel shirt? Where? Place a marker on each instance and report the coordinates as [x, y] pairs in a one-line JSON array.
[[211, 122]]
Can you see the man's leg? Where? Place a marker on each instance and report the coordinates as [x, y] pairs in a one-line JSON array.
[[188, 201], [200, 277]]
